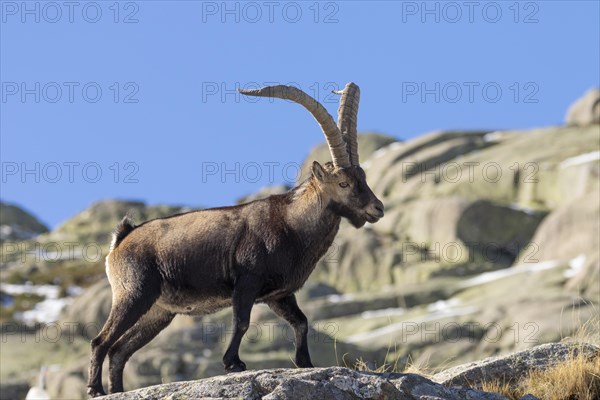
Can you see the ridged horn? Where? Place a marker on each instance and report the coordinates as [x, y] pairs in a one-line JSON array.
[[337, 145], [347, 119]]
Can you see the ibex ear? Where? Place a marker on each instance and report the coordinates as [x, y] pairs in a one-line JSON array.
[[318, 171]]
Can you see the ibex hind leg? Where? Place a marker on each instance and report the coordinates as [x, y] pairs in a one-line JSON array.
[[128, 307], [140, 334]]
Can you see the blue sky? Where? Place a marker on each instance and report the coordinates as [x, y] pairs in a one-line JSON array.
[[134, 100]]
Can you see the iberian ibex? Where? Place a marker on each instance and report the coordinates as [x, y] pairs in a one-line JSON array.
[[263, 251]]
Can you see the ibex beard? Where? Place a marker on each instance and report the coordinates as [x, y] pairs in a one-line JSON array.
[[261, 252]]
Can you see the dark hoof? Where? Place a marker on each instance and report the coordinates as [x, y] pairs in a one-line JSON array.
[[304, 364], [237, 367], [95, 391]]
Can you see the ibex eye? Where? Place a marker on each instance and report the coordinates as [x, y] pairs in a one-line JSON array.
[[343, 184]]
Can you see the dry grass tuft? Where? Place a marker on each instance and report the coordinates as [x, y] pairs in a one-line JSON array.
[[361, 365], [505, 389], [577, 378], [410, 367]]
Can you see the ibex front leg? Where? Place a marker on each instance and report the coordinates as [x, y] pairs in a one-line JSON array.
[[244, 294], [287, 308]]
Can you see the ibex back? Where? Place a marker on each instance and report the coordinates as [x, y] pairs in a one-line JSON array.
[[203, 261]]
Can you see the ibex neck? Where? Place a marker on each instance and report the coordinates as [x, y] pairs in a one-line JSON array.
[[308, 212]]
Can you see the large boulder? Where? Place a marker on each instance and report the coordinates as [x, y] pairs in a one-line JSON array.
[[586, 110], [570, 231], [90, 310], [401, 171], [68, 382], [585, 277], [506, 166], [570, 235], [513, 367], [497, 231]]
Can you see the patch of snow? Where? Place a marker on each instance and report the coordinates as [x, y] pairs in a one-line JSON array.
[[450, 313], [361, 337], [580, 159], [70, 255], [493, 136], [340, 298], [37, 394], [386, 312], [442, 305], [74, 291], [48, 291], [45, 311], [526, 210], [488, 277], [575, 265], [381, 151], [7, 231], [400, 326]]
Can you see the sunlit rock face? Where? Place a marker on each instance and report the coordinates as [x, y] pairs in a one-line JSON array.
[[586, 110]]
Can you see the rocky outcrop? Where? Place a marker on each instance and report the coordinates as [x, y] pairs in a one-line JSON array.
[[318, 383], [90, 310], [571, 230], [512, 368], [18, 224], [343, 383], [586, 110], [570, 235], [74, 252], [445, 191]]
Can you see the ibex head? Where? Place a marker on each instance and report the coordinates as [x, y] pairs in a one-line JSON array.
[[342, 183]]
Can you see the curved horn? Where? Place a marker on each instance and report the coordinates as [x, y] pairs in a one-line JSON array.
[[337, 145], [347, 119]]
